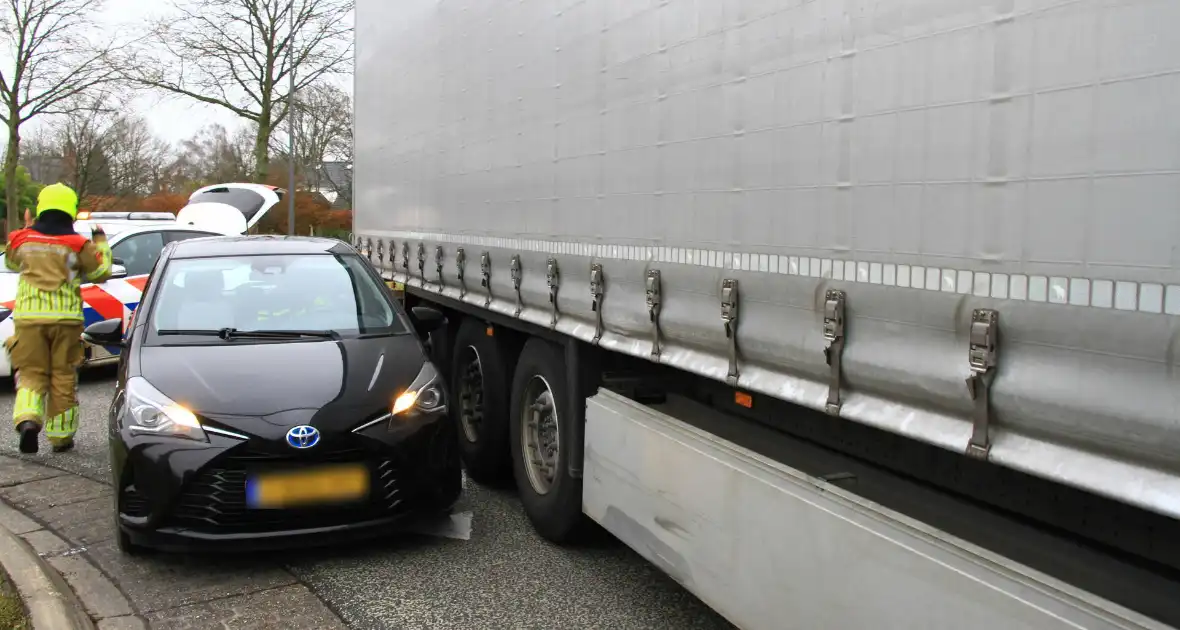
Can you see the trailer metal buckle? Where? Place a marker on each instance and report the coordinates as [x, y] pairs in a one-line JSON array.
[[460, 275], [517, 276], [422, 264], [729, 316], [833, 331], [485, 270], [982, 356], [597, 288], [654, 303], [553, 279]]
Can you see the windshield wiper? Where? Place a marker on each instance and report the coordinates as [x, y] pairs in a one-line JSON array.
[[188, 332], [234, 333]]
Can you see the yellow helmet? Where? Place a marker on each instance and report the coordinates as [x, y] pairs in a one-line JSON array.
[[58, 197]]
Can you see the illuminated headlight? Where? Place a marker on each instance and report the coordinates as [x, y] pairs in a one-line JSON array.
[[424, 394], [154, 413]]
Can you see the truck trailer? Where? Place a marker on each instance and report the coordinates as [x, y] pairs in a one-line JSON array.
[[843, 313]]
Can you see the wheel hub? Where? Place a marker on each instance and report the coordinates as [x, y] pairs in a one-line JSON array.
[[471, 395], [541, 437]]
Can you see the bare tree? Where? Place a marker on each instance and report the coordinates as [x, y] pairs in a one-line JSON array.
[[136, 157], [52, 63], [41, 154], [239, 55], [98, 150], [323, 131], [80, 138], [213, 155]]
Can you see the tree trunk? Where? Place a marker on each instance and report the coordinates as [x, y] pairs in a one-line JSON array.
[[11, 160], [262, 148]]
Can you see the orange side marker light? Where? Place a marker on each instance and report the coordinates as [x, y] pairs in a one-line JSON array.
[[743, 399]]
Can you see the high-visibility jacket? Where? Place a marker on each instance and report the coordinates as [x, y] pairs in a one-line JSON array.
[[52, 269]]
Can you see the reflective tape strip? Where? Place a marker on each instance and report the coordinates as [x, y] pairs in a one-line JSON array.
[[1104, 293], [29, 405], [63, 425]]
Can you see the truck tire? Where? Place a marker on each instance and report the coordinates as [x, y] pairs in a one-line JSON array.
[[552, 499], [481, 369]]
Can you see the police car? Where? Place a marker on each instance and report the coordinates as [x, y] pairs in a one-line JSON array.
[[137, 239]]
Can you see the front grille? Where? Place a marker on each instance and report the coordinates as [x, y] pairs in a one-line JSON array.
[[215, 501]]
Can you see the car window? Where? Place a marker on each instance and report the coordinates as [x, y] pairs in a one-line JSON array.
[[320, 292], [139, 252], [183, 235]]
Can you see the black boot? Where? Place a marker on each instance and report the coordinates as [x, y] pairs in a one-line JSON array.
[[62, 446], [28, 431]]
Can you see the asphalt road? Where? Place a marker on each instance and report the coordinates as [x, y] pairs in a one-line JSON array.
[[504, 576]]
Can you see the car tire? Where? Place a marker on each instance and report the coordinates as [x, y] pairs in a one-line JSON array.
[[482, 424], [446, 486], [556, 513]]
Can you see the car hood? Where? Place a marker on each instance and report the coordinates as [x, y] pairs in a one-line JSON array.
[[266, 388]]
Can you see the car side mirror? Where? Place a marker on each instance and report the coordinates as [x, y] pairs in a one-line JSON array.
[[118, 271], [117, 261], [426, 320], [108, 332]]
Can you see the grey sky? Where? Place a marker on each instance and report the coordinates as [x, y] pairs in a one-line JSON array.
[[171, 118]]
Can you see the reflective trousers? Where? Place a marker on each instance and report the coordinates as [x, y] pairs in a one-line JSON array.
[[45, 356]]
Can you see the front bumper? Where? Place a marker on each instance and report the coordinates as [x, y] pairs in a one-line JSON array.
[[180, 495]]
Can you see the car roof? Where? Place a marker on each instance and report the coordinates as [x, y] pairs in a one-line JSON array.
[[207, 247]]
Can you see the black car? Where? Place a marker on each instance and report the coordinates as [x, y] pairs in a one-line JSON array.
[[272, 391]]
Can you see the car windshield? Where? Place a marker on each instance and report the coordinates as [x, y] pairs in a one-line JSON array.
[[302, 294]]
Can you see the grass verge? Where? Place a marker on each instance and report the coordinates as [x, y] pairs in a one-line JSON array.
[[12, 611]]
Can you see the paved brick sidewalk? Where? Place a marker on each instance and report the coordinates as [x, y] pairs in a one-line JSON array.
[[67, 519]]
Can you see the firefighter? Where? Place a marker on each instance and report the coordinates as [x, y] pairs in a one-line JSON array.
[[45, 350]]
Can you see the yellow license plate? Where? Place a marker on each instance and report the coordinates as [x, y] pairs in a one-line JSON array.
[[341, 483]]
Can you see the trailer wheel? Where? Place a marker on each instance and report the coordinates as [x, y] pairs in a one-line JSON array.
[[481, 369], [541, 443]]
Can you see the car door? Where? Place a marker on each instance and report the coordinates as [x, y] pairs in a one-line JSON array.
[[138, 253], [117, 298]]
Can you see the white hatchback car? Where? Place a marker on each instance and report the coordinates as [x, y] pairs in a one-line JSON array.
[[136, 239]]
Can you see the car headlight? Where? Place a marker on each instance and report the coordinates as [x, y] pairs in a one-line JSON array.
[[424, 394], [151, 412]]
